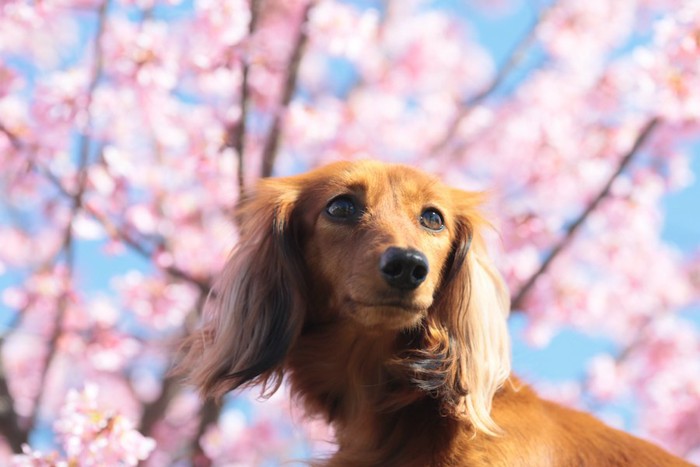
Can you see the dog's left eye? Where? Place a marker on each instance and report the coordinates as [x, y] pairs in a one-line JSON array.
[[431, 219], [342, 207]]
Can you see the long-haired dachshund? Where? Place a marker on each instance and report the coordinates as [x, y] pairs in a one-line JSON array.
[[368, 285]]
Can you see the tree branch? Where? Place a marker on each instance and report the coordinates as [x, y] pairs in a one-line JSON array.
[[208, 414], [10, 427], [642, 137], [202, 284], [154, 410], [16, 143], [235, 134], [272, 142], [122, 235], [77, 199], [513, 60]]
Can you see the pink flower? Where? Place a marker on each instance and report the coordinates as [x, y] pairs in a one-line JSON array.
[[91, 437]]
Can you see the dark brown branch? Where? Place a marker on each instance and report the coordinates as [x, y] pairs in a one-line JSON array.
[[154, 410], [122, 235], [208, 414], [68, 250], [16, 143], [172, 384], [513, 60], [239, 141], [642, 137], [68, 246], [236, 134], [10, 427], [272, 142]]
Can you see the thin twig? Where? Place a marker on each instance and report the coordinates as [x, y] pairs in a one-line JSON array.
[[209, 413], [642, 137], [122, 235], [269, 153], [236, 133], [127, 239], [239, 141], [513, 60], [15, 435], [16, 143], [154, 410], [68, 241], [171, 387]]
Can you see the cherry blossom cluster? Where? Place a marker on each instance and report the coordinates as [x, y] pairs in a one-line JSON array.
[[89, 436], [130, 129]]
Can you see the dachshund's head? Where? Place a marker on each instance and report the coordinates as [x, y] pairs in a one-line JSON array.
[[378, 242], [385, 248]]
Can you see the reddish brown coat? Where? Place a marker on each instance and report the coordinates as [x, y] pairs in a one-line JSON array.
[[413, 376]]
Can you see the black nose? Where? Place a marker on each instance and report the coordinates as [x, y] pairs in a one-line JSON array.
[[403, 268]]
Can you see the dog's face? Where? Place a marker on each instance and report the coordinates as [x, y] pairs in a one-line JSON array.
[[382, 236], [384, 247]]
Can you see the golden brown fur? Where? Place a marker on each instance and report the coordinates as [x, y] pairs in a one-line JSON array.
[[388, 325]]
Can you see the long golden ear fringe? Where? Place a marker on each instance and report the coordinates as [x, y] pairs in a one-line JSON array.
[[463, 355], [257, 306], [480, 335]]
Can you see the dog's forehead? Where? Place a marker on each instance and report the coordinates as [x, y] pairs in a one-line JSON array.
[[377, 180]]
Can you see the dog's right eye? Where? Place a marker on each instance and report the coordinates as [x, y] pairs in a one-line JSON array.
[[342, 207]]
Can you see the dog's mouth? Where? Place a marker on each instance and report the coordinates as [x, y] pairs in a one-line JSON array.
[[394, 314], [400, 305]]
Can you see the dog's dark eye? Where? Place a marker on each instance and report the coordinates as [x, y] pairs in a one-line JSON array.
[[342, 207], [431, 219]]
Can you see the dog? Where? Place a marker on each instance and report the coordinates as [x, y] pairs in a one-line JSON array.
[[369, 287]]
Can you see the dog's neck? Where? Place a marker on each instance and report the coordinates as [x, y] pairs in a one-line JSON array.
[[347, 374]]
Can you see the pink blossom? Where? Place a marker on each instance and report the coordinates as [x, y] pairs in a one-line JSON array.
[[341, 29], [605, 380], [137, 53], [670, 70], [159, 303], [121, 152], [90, 436], [579, 34]]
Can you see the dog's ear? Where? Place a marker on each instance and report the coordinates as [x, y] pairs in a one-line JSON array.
[[256, 308], [469, 321]]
